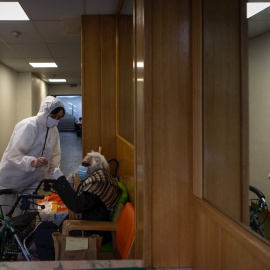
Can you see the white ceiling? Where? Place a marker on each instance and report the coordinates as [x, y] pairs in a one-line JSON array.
[[52, 35], [259, 23]]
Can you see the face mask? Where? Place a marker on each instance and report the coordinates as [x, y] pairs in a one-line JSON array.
[[51, 122], [82, 172]]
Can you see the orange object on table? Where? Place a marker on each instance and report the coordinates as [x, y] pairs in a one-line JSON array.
[[52, 197]]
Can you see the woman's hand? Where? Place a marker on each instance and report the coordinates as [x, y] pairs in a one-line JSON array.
[[39, 162]]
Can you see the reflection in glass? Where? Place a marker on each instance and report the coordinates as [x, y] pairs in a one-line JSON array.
[[259, 111], [125, 89]]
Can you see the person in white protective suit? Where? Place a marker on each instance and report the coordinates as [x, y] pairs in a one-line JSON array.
[[33, 152]]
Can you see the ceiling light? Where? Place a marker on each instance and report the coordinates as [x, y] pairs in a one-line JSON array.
[[254, 8], [57, 80], [12, 11], [43, 65]]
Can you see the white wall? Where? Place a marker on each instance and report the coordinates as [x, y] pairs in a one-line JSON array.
[[8, 106], [39, 90], [259, 113], [20, 97], [24, 96], [62, 89]]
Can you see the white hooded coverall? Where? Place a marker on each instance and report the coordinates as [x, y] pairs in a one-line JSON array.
[[26, 144]]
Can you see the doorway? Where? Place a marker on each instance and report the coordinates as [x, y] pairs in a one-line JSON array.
[[70, 139]]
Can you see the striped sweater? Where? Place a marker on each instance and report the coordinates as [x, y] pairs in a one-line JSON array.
[[102, 184]]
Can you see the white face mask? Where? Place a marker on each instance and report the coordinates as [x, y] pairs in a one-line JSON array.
[[52, 122]]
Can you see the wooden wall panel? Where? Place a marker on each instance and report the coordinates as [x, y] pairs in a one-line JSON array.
[[98, 84], [222, 105], [125, 156], [91, 88], [221, 243], [172, 149], [108, 91], [206, 243], [125, 84], [164, 129]]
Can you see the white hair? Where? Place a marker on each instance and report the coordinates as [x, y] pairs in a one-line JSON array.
[[98, 162]]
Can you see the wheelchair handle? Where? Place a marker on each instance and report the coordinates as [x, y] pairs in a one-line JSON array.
[[116, 165], [257, 192], [46, 183], [24, 198]]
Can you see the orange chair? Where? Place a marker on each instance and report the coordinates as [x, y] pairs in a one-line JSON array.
[[125, 230]]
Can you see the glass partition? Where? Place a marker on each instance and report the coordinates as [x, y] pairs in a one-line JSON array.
[[125, 90]]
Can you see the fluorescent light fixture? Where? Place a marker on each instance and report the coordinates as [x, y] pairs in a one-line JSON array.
[[256, 7], [40, 65], [140, 64], [57, 80], [12, 11]]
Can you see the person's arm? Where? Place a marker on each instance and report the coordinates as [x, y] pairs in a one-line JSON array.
[[76, 203], [20, 144]]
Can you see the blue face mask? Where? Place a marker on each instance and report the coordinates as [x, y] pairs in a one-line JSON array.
[[82, 172]]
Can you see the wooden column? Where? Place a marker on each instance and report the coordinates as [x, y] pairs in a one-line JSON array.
[[98, 84], [163, 144]]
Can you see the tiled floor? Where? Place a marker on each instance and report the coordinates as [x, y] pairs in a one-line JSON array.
[[71, 152]]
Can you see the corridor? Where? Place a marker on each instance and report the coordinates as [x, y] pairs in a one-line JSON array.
[[71, 152]]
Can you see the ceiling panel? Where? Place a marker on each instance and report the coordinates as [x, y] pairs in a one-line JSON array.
[[53, 34], [31, 50], [48, 10], [7, 52], [56, 35], [65, 50], [29, 33], [101, 6]]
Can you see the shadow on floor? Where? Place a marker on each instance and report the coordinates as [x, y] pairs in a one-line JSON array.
[[71, 152]]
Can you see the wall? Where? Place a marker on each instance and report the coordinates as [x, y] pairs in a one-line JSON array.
[[39, 91], [24, 95], [220, 242], [98, 84], [63, 89], [30, 92], [163, 132], [20, 97], [8, 105], [259, 111], [222, 107], [125, 88]]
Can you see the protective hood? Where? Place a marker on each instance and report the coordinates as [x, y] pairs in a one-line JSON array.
[[48, 104]]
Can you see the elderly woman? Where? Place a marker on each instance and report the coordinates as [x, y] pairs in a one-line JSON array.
[[95, 198], [97, 193]]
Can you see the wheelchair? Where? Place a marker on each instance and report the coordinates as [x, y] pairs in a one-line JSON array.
[[17, 232], [258, 210]]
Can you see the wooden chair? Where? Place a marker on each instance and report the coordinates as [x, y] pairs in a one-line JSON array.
[[125, 230], [110, 247]]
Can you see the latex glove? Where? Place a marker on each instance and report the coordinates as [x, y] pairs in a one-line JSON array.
[[57, 173]]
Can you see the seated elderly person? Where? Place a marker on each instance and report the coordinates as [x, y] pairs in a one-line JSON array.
[[95, 198]]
